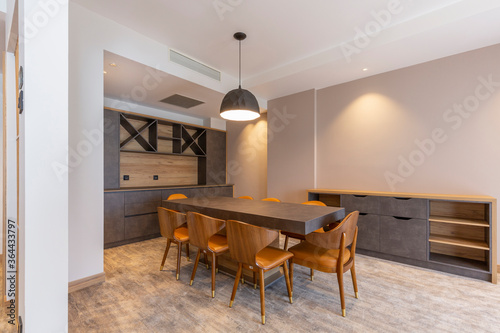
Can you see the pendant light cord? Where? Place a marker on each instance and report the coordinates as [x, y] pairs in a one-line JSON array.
[[240, 66]]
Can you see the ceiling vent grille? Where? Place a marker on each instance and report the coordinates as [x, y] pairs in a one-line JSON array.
[[194, 65], [182, 101]]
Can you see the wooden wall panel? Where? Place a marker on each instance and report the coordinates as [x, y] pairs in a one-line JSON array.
[[171, 170]]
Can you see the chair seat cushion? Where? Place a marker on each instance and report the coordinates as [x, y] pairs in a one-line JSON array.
[[218, 243], [270, 257], [181, 234], [317, 257]]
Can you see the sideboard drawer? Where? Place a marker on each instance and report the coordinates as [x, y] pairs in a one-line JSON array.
[[404, 207], [141, 225], [403, 237], [368, 232], [141, 208], [363, 203]]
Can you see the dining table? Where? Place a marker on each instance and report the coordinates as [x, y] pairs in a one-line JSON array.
[[284, 216]]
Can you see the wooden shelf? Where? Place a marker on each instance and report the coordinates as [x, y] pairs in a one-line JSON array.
[[159, 153], [454, 220], [469, 243], [459, 262], [168, 138]]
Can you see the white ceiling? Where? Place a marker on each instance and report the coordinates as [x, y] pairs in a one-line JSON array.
[[295, 45]]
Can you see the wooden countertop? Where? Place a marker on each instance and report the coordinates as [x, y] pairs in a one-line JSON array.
[[164, 187]]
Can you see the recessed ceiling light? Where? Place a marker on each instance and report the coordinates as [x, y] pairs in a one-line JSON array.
[[365, 69], [105, 72], [112, 64]]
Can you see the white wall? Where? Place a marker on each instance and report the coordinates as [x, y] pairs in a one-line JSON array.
[[43, 195], [291, 146], [90, 35], [368, 129], [247, 157]]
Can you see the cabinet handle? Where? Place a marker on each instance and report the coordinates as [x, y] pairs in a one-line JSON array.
[[401, 198], [359, 196], [363, 214], [402, 218]]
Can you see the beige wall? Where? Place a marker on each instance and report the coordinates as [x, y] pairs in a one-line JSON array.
[[291, 146], [247, 157], [405, 131]]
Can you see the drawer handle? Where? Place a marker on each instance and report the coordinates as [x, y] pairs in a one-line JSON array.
[[359, 196], [402, 218], [363, 214], [401, 198]]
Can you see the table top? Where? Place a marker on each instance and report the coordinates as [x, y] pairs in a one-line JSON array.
[[291, 217]]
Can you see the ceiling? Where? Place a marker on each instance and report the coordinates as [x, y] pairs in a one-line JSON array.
[[296, 45]]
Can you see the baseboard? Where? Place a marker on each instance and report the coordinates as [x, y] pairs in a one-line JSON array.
[[86, 282]]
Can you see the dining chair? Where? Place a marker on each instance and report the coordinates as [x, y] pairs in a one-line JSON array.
[[246, 197], [176, 196], [249, 246], [173, 228], [328, 252], [203, 234], [271, 199]]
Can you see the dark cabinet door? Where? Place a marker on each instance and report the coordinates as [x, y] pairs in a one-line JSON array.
[[404, 207], [141, 225], [113, 217], [368, 232], [403, 237]]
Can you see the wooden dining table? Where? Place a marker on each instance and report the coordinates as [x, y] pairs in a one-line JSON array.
[[296, 218], [291, 217]]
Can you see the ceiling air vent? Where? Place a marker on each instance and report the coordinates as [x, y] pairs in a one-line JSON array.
[[182, 101], [194, 65]]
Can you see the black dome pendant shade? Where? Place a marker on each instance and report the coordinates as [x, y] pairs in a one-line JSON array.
[[239, 104]]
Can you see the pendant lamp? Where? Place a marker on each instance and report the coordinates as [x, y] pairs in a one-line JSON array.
[[239, 104]]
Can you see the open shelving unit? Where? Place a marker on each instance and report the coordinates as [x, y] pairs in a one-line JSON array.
[[459, 234]]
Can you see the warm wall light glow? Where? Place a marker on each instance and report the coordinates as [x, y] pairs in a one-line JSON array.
[[239, 115], [365, 69], [105, 72], [113, 64]]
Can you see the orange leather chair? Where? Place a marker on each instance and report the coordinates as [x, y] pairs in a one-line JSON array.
[[248, 245], [271, 199], [203, 234], [328, 252], [176, 196], [172, 227]]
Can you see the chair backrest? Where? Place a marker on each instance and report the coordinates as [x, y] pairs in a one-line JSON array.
[[169, 221], [176, 196], [246, 197], [314, 203], [201, 228], [246, 240], [332, 238], [271, 199]]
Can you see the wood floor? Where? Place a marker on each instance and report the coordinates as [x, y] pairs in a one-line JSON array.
[[137, 297]]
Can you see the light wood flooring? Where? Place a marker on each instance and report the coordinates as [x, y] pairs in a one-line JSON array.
[[137, 297]]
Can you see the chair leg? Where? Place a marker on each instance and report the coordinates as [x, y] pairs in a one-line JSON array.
[[291, 274], [262, 296], [165, 254], [287, 280], [354, 282], [236, 281], [216, 264], [286, 243], [340, 278], [195, 267], [312, 274], [254, 280], [179, 249], [187, 252], [206, 260], [213, 274]]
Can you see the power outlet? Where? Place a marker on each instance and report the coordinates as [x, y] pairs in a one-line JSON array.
[[155, 177], [126, 177]]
